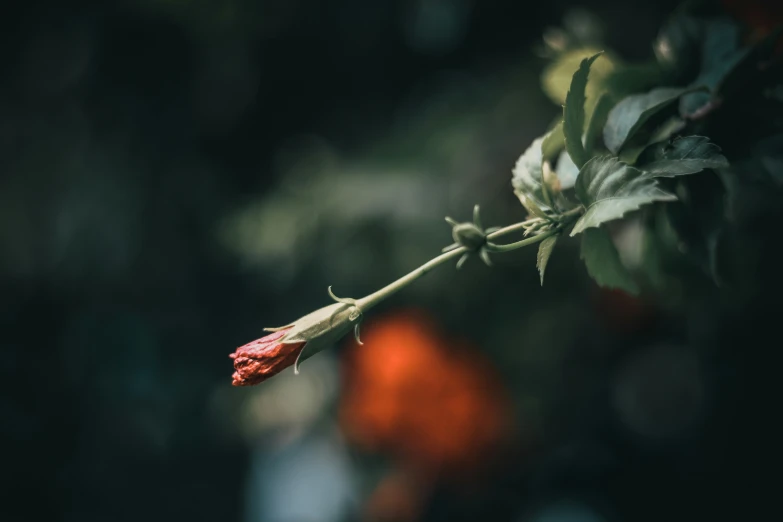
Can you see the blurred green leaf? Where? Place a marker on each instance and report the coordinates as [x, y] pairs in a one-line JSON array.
[[752, 193], [678, 46], [627, 117], [630, 153], [769, 152], [628, 79], [667, 129], [721, 53], [746, 68], [527, 176], [574, 112], [609, 188], [544, 251], [566, 170], [531, 206], [681, 156], [603, 262], [557, 76], [659, 249]]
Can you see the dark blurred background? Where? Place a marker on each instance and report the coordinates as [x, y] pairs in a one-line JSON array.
[[176, 175]]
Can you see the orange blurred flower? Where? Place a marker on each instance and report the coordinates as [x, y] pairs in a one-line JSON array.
[[429, 401]]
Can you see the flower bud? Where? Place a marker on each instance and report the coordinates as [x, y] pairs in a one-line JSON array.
[[257, 361], [469, 235], [290, 345]]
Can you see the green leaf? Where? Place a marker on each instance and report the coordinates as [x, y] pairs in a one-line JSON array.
[[609, 188], [647, 135], [721, 54], [553, 142], [544, 251], [667, 129], [603, 262], [628, 116], [660, 253], [531, 206], [598, 121], [556, 78], [680, 157], [633, 78], [630, 153], [574, 112]]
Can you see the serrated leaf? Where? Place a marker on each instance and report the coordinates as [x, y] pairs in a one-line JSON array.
[[680, 157], [603, 261], [609, 188], [598, 121], [544, 251], [628, 116], [574, 112], [527, 178]]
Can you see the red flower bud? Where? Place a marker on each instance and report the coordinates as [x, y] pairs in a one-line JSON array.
[[259, 360], [290, 345]]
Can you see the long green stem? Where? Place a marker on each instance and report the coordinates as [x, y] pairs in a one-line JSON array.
[[365, 303], [519, 244], [373, 299], [510, 229]]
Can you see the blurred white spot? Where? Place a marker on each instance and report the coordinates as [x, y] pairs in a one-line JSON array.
[[584, 26], [629, 240], [312, 480]]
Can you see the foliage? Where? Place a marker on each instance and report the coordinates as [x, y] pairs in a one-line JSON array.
[[633, 134]]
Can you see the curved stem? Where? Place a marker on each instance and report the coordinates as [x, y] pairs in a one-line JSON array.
[[365, 303], [576, 211], [525, 242], [511, 228]]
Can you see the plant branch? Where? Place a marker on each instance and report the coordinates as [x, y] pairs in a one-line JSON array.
[[365, 303], [525, 242], [373, 299]]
